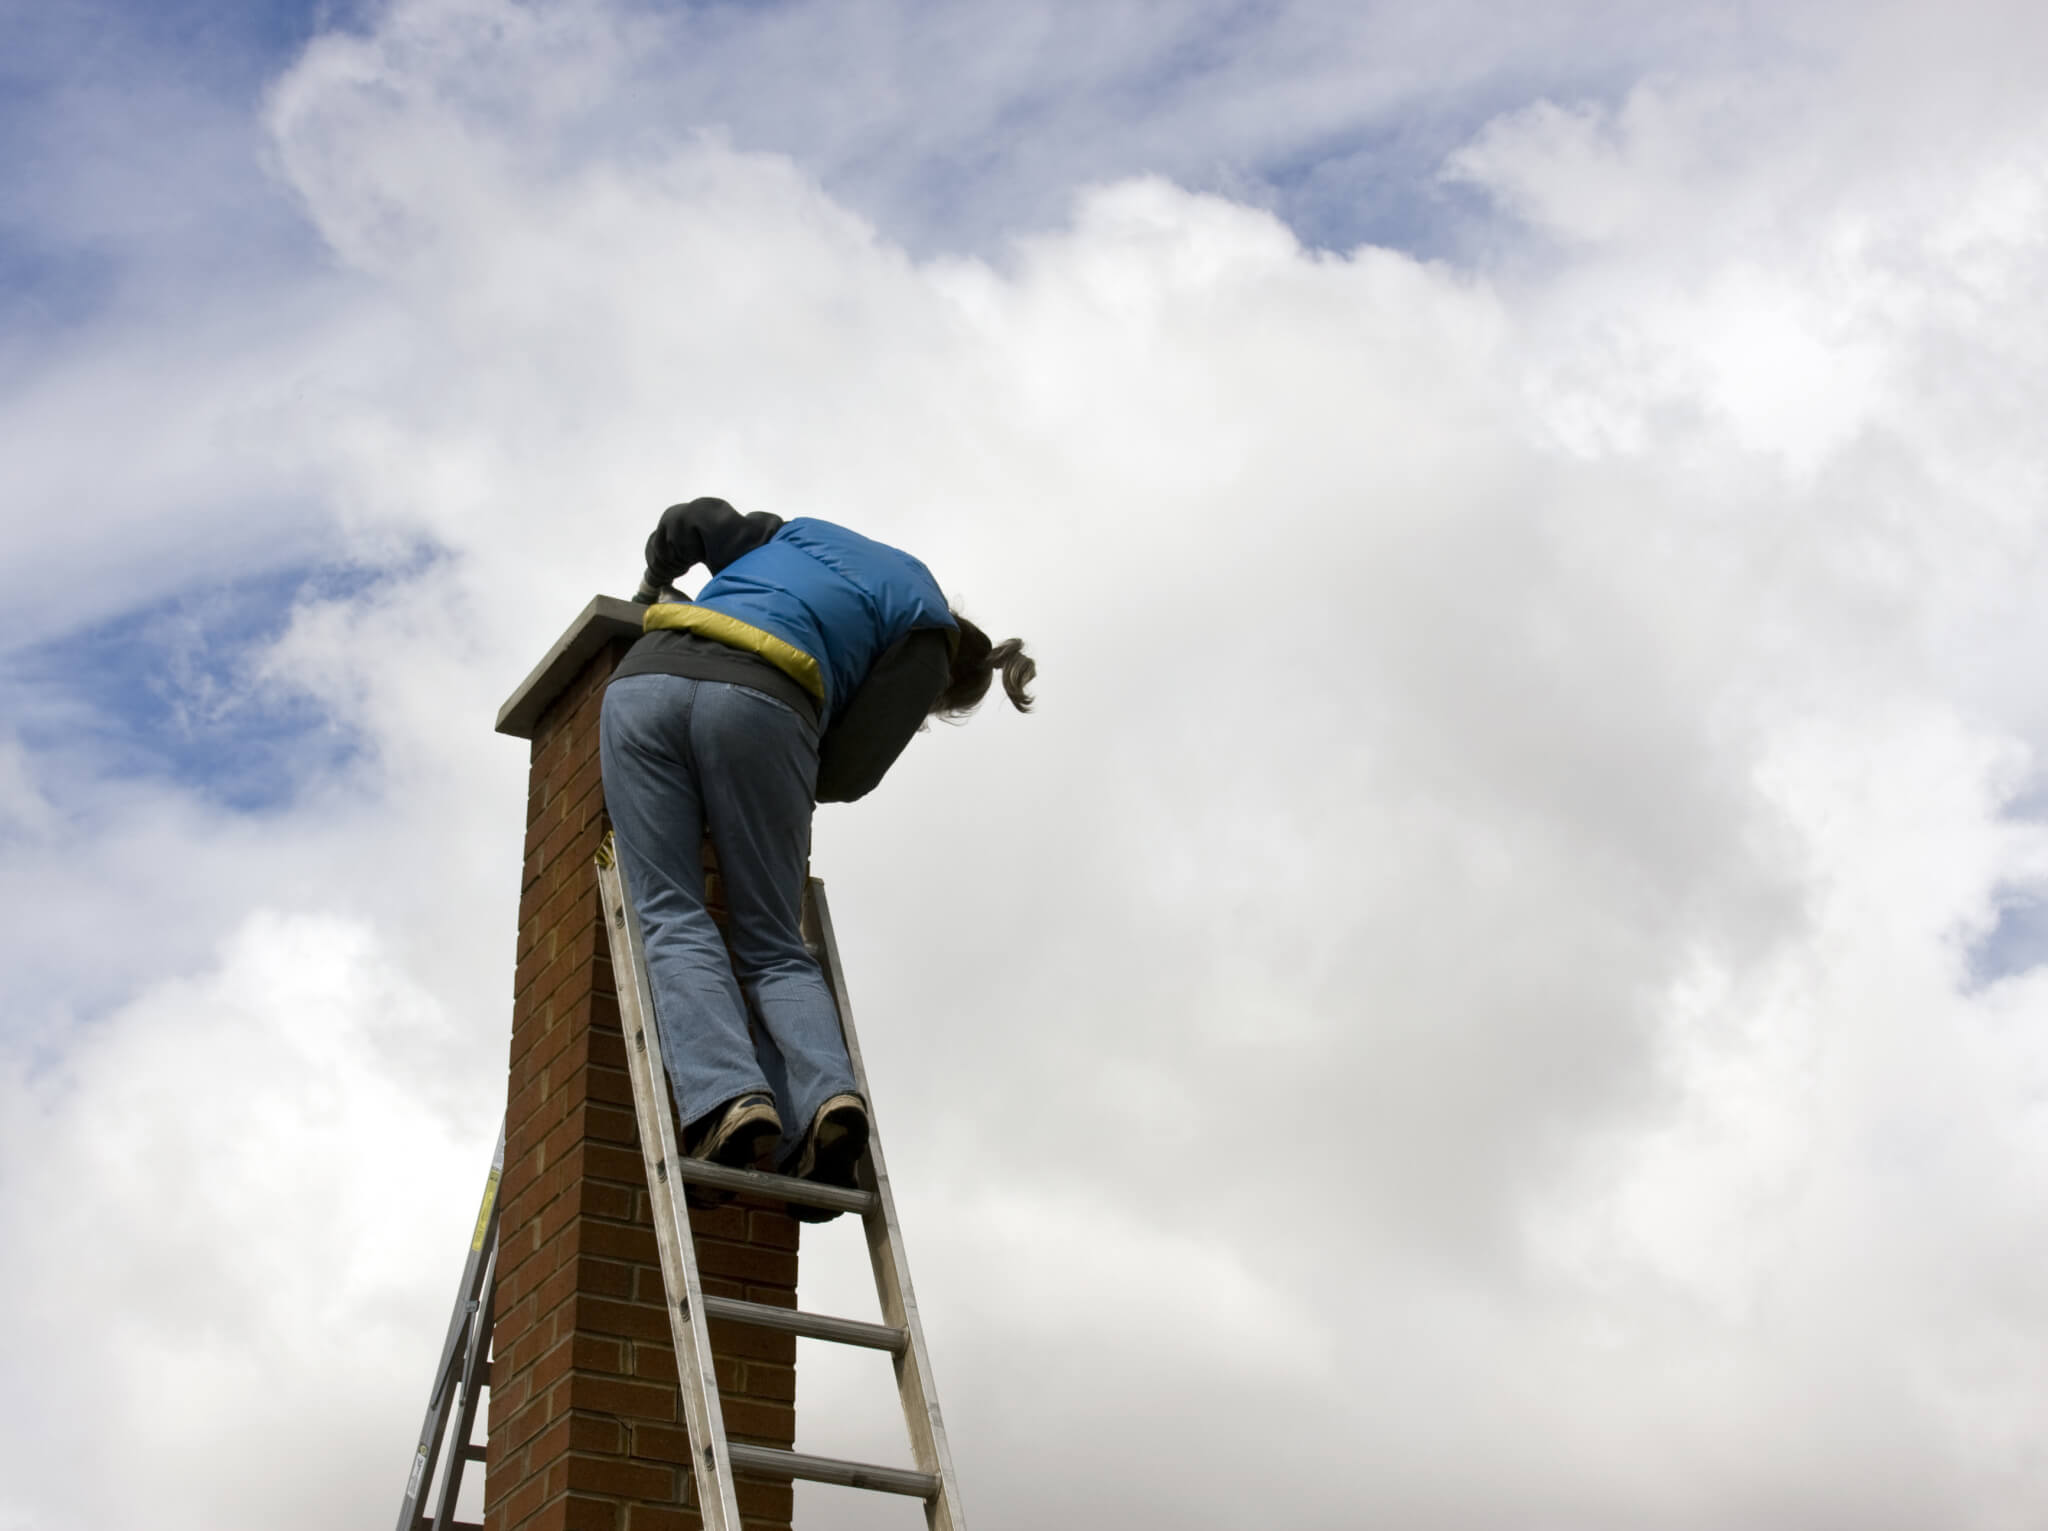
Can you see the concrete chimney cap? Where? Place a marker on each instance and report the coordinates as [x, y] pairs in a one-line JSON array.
[[604, 620]]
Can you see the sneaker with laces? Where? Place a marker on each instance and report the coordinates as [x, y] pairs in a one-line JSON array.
[[741, 1134], [832, 1152]]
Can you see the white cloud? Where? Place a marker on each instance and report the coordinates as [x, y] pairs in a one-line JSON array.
[[215, 1205], [1478, 929]]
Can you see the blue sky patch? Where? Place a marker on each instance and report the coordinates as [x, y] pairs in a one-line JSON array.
[[2017, 943], [170, 692], [44, 288], [2019, 939]]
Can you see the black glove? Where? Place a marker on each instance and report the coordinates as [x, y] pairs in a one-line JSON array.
[[648, 593]]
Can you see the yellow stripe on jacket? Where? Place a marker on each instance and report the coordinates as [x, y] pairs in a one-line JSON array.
[[733, 633]]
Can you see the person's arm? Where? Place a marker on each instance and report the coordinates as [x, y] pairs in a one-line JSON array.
[[878, 720], [708, 532]]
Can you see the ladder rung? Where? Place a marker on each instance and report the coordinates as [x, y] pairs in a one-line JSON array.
[[815, 1326], [781, 1187], [767, 1462], [474, 1453]]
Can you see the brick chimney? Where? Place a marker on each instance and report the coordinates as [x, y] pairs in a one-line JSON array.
[[585, 1429]]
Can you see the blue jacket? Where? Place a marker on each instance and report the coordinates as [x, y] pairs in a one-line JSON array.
[[818, 602]]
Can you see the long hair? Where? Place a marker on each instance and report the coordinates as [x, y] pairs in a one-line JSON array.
[[975, 663]]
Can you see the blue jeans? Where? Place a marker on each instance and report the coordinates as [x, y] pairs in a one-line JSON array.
[[681, 755]]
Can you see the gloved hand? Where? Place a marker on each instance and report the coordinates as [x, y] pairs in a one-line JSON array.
[[649, 593]]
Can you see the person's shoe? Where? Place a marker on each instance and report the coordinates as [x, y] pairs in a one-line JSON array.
[[741, 1135], [831, 1152]]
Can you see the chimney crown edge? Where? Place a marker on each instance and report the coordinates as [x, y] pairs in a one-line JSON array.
[[605, 619]]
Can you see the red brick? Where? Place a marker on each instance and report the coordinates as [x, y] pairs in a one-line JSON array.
[[571, 911], [633, 1320], [617, 1241], [725, 1222], [633, 1400], [602, 1199], [522, 1138], [517, 1289], [621, 1478], [530, 904], [605, 1161], [531, 1015], [582, 1513], [563, 1139], [762, 1379], [581, 781], [614, 1086], [753, 1344], [763, 1504], [774, 1423], [558, 1290], [606, 1278], [515, 1320], [655, 1362], [525, 1106], [517, 1506], [775, 1229], [536, 835], [598, 1354], [607, 1047], [515, 1394], [661, 1517], [562, 841], [556, 1363], [562, 1218], [527, 971], [523, 1425], [661, 1443], [516, 1249], [770, 1266], [610, 1123], [577, 1431]]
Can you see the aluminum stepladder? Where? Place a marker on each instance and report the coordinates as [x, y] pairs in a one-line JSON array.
[[713, 1457], [465, 1370]]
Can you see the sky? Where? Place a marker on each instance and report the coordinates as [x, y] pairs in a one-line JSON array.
[[1506, 980]]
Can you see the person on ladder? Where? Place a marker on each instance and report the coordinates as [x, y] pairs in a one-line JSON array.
[[796, 676]]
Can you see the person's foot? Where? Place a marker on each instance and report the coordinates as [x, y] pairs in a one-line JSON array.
[[741, 1134], [831, 1152]]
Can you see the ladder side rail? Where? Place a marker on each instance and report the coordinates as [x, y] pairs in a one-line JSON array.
[[928, 1444], [697, 1377], [475, 1370], [426, 1460], [482, 1250]]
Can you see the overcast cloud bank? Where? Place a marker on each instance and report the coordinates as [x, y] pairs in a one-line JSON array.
[[1539, 757]]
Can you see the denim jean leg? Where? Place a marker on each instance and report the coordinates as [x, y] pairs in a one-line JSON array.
[[759, 772], [653, 793]]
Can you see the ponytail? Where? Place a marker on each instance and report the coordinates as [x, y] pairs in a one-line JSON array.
[[975, 662]]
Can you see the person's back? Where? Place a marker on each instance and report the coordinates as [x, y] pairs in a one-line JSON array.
[[832, 594]]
